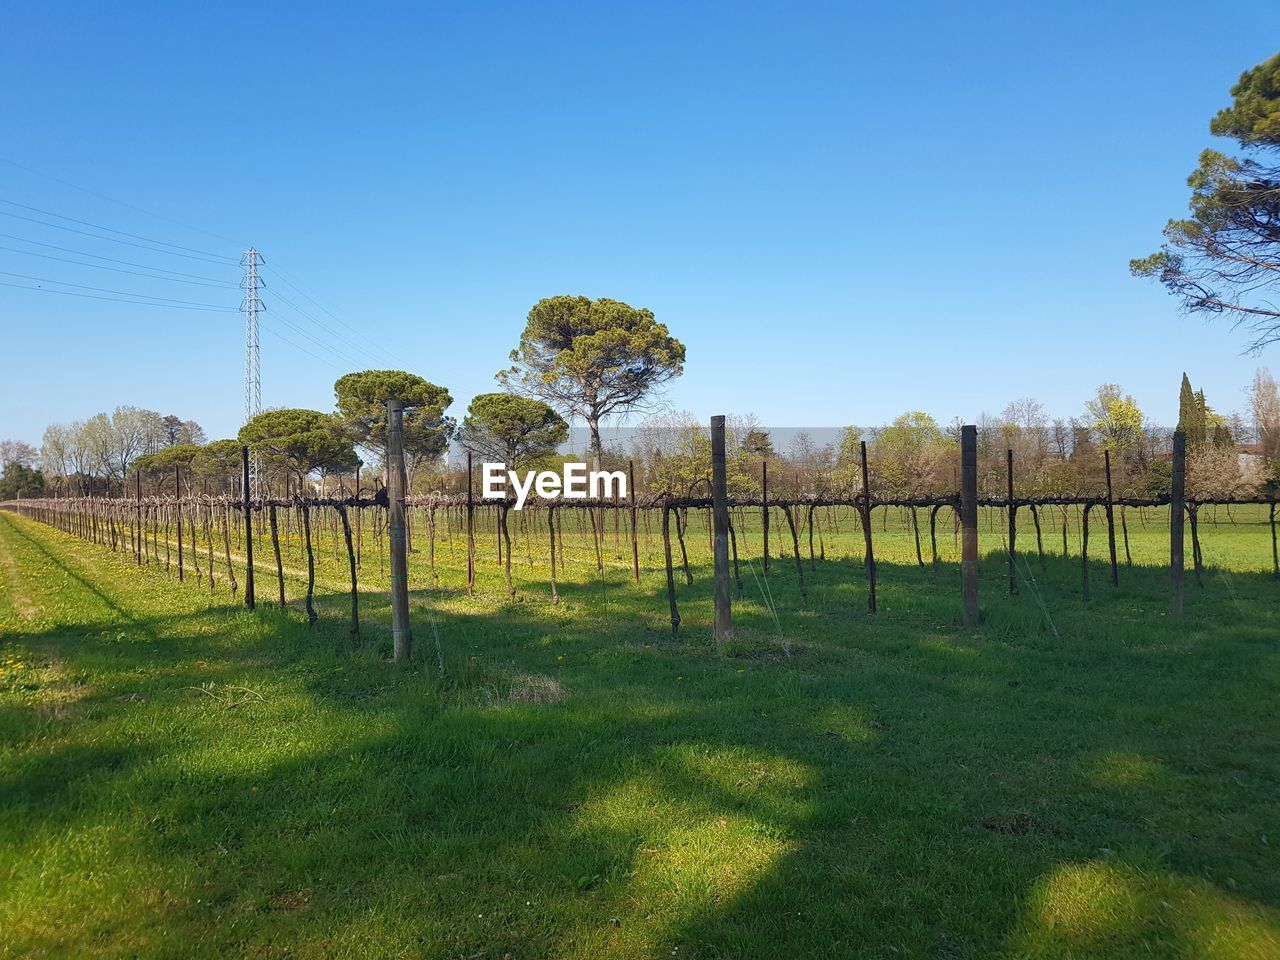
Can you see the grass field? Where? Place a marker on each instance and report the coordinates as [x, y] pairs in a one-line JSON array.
[[182, 778]]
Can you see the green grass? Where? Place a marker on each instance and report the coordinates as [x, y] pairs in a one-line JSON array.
[[182, 778]]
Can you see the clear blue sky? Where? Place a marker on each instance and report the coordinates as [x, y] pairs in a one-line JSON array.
[[844, 210]]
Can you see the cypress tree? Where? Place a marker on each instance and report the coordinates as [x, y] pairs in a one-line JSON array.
[[1201, 428], [1191, 419]]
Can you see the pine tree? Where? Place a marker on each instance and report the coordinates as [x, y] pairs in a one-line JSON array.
[[1224, 260]]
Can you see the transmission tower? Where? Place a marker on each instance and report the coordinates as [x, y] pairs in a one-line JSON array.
[[251, 306]]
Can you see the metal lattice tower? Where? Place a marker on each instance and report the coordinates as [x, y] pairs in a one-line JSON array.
[[251, 306]]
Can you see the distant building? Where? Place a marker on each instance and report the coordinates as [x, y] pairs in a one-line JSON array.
[[1249, 455]]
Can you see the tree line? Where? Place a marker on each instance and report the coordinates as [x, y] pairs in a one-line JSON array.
[[92, 456], [593, 359], [577, 357], [916, 456]]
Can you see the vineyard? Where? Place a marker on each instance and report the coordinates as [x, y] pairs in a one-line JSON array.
[[210, 538], [314, 544]]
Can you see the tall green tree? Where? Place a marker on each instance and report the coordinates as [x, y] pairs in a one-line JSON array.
[[910, 454], [179, 455], [590, 358], [1224, 259], [758, 443], [300, 441], [20, 480], [362, 408], [168, 462], [1191, 414], [1115, 420], [218, 461], [511, 429]]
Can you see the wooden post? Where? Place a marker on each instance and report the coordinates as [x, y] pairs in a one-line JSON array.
[[401, 633], [1111, 520], [969, 523], [1177, 511], [1013, 529], [764, 508], [248, 529], [471, 531], [866, 529], [720, 516]]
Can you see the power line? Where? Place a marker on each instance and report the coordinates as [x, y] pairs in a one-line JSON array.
[[143, 303], [176, 247], [135, 273], [317, 341], [122, 293], [280, 336], [343, 359], [350, 343], [98, 226], [252, 283], [129, 206], [98, 256], [152, 245], [285, 277], [127, 243]]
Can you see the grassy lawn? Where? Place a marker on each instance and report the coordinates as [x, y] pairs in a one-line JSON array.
[[182, 778]]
